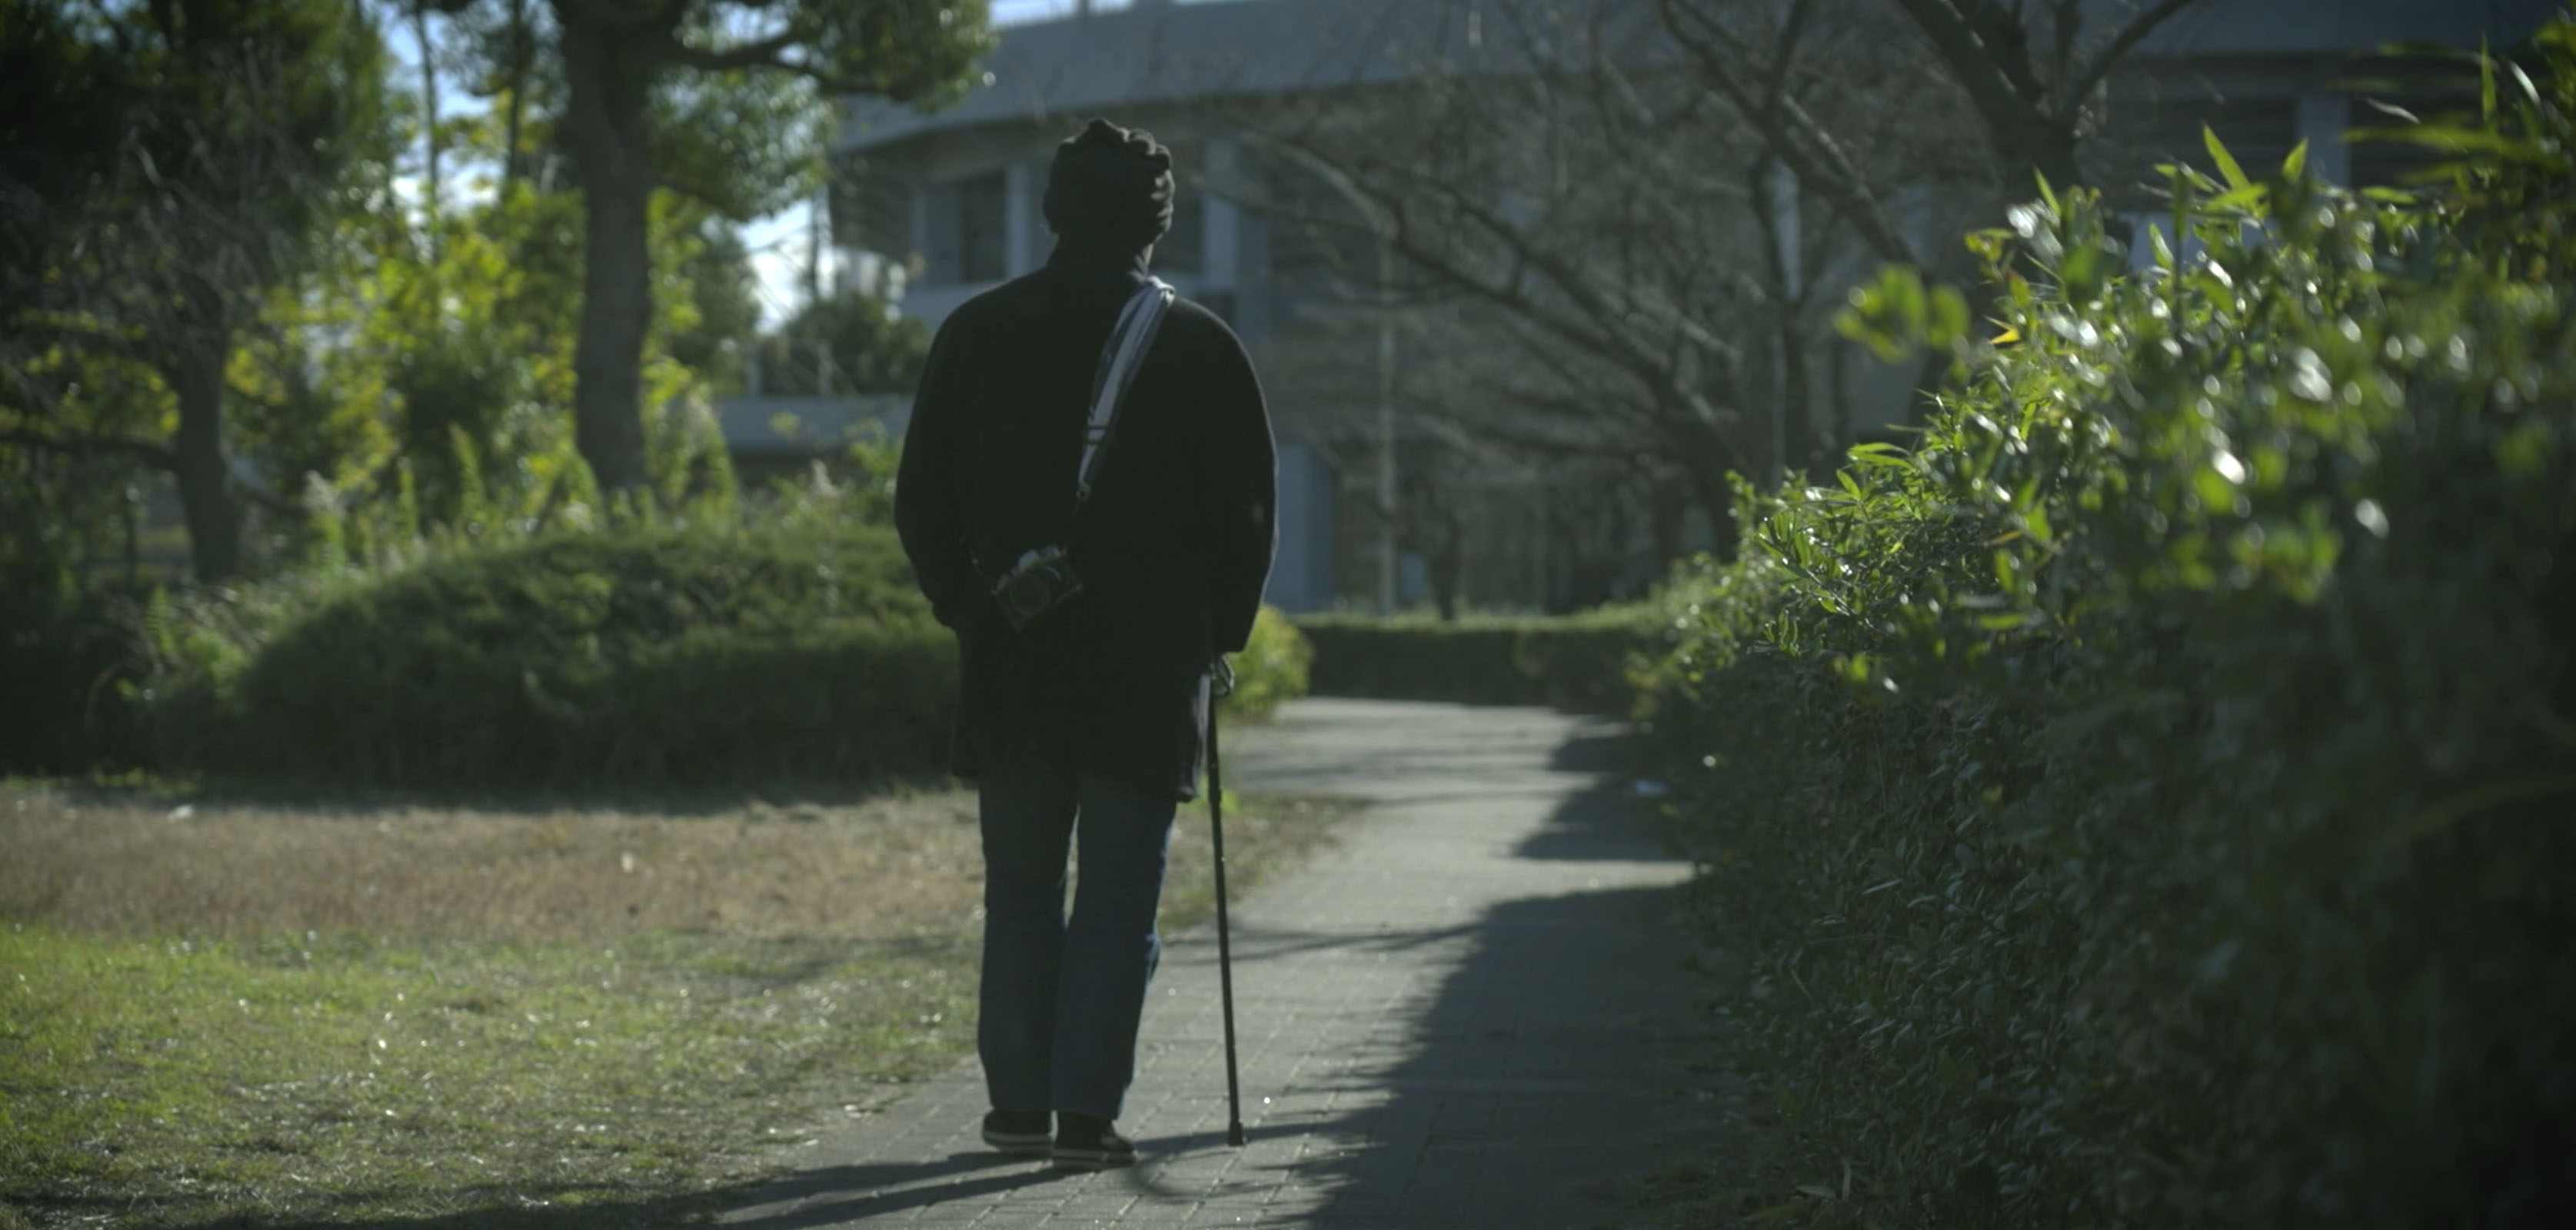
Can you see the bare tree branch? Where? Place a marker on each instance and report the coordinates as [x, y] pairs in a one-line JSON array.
[[766, 53], [1975, 65], [1792, 134], [2101, 64], [81, 444]]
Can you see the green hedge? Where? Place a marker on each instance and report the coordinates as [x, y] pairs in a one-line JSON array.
[[637, 657], [64, 664], [2149, 801], [1577, 663], [788, 651], [1271, 670]]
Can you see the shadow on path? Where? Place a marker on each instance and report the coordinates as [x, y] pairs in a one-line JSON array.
[[1475, 1015], [878, 1190], [1538, 1073]]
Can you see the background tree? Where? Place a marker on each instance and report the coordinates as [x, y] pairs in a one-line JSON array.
[[725, 290], [849, 343], [2027, 73], [63, 104], [1642, 213], [438, 373], [1572, 210], [242, 120], [719, 101]]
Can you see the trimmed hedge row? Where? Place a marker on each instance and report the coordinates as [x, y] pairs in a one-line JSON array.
[[639, 657], [2148, 802], [791, 651], [1578, 663], [64, 665], [1272, 669]]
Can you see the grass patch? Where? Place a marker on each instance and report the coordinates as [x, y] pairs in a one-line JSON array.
[[180, 1082], [309, 1016]]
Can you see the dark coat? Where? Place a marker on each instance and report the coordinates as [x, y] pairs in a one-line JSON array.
[[1173, 547]]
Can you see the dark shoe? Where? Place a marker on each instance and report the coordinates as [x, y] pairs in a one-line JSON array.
[[1083, 1142], [1021, 1133]]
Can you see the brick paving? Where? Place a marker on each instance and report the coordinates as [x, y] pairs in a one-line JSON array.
[[1465, 1015]]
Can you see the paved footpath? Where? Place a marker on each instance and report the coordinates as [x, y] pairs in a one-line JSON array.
[[1467, 1014]]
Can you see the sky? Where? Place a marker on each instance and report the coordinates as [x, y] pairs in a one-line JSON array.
[[778, 242]]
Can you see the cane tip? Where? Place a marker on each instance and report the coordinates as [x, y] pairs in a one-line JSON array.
[[1234, 1135]]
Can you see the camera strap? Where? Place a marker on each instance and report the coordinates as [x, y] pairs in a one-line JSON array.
[[1138, 322]]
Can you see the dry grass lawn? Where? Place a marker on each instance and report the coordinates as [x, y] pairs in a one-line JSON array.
[[899, 867], [230, 1013], [894, 867]]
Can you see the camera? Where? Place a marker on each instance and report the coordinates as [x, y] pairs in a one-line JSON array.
[[1043, 580]]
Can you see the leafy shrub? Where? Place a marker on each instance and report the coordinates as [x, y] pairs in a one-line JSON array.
[[794, 650], [2148, 801], [62, 664], [1271, 669], [1578, 663]]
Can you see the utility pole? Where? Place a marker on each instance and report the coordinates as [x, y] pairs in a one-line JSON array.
[[1784, 229], [1386, 571], [1384, 228], [814, 292], [1784, 225], [429, 128]]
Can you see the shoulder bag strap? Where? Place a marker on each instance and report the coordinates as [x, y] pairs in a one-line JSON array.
[[1138, 322]]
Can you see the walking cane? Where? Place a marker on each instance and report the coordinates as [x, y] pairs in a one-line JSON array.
[[1224, 684]]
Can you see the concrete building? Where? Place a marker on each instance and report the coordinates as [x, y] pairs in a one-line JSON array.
[[955, 194], [952, 197]]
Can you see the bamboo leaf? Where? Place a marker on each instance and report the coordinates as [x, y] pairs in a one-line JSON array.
[[2392, 110], [2486, 83], [2227, 168]]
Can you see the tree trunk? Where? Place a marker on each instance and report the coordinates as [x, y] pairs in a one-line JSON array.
[[609, 69], [1665, 509], [1716, 498], [429, 126], [513, 164], [1448, 563], [2033, 146], [1774, 194], [205, 493], [1815, 445]]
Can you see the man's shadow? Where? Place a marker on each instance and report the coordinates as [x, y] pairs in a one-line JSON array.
[[829, 1195], [832, 1195]]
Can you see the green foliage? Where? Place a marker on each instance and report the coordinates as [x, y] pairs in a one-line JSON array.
[[238, 131], [423, 385], [743, 144], [2145, 801], [1579, 663], [49, 67], [1271, 669], [339, 1078], [869, 347], [914, 51], [63, 660], [708, 653], [724, 291]]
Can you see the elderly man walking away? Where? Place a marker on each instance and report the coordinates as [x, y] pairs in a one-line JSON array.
[[1084, 676]]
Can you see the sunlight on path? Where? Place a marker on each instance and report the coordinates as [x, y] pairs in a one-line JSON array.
[[1464, 1016]]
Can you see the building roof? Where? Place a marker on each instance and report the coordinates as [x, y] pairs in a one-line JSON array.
[[2337, 28], [1160, 53]]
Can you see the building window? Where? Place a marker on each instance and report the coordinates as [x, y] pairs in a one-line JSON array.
[[2389, 164], [1183, 249], [969, 235]]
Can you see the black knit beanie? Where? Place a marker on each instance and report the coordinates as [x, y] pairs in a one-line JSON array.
[[1111, 185]]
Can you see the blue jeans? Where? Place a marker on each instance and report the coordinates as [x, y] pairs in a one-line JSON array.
[[1061, 1001]]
